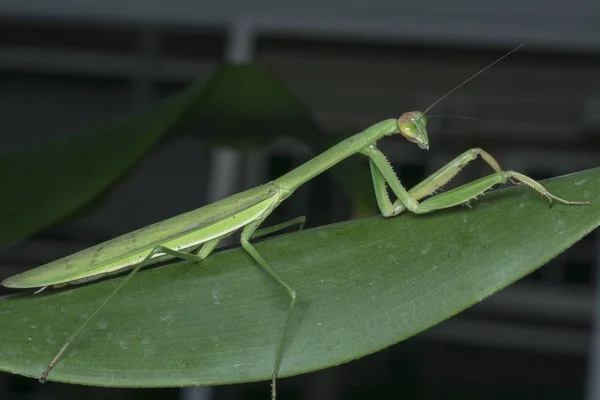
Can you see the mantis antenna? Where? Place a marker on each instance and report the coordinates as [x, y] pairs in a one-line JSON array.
[[471, 77]]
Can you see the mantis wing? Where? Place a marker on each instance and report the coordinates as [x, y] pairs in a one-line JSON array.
[[120, 252]]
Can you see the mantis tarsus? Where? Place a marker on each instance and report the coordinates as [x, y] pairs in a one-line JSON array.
[[194, 235]]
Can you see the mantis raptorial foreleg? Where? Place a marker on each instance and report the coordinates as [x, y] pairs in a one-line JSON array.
[[469, 191], [384, 175], [441, 177], [429, 185]]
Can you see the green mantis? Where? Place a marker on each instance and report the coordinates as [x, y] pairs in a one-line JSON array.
[[194, 235]]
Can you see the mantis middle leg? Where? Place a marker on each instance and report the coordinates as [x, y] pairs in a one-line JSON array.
[[250, 231]]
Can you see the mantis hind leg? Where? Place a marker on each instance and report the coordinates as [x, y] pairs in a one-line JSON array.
[[250, 232], [144, 262]]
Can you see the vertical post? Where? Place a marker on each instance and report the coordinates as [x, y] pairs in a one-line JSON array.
[[226, 164]]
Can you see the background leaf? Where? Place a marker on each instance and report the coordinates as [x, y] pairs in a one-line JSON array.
[[363, 286], [238, 105], [47, 182], [244, 106]]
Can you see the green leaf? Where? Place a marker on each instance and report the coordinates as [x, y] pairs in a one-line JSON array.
[[244, 106], [362, 285]]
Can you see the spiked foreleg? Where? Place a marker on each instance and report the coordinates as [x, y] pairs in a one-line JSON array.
[[383, 173], [469, 191], [445, 174], [429, 185]]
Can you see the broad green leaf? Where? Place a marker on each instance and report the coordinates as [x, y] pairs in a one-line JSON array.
[[363, 286]]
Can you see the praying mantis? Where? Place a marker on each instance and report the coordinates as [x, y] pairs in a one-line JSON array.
[[194, 235]]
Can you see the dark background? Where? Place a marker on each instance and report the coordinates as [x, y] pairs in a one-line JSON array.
[[65, 67]]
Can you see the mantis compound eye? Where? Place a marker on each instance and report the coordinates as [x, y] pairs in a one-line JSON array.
[[408, 129], [412, 126]]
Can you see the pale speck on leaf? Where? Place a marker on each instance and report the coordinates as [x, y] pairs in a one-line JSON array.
[[560, 226], [215, 297], [102, 324]]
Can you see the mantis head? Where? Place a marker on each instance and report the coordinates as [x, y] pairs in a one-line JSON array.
[[412, 126]]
